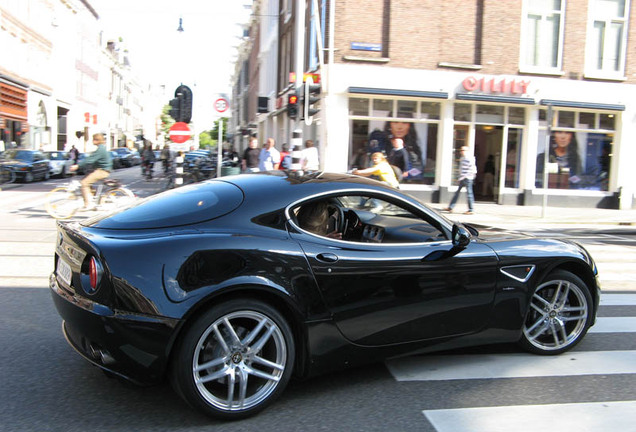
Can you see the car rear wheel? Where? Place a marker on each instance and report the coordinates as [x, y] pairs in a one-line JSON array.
[[235, 360], [559, 315]]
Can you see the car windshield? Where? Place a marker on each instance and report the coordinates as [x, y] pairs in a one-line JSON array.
[[22, 155]]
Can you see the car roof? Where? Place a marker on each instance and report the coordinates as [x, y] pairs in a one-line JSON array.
[[247, 197]]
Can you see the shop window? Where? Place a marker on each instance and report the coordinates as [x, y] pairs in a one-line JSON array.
[[576, 160], [566, 119], [430, 110], [489, 114], [542, 35], [420, 142], [516, 115], [606, 121], [406, 109], [586, 120], [358, 107], [462, 112], [606, 38], [382, 108]]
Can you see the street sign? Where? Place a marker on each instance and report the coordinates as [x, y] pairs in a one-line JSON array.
[[221, 105], [180, 132]]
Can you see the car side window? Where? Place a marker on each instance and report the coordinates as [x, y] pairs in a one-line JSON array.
[[365, 219]]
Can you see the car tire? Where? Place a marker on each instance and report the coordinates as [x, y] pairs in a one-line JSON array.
[[28, 177], [47, 175], [559, 314], [234, 360], [63, 173]]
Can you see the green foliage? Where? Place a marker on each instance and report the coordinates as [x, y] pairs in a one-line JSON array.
[[215, 129], [166, 120], [205, 140]]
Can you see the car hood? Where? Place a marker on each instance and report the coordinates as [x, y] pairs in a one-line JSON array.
[[14, 163]]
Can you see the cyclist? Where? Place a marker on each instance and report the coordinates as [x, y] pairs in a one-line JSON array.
[[102, 163]]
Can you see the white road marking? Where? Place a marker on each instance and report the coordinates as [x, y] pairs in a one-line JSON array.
[[489, 366], [614, 325], [618, 299], [579, 417]]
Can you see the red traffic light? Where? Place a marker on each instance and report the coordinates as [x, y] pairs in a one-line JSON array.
[[293, 99]]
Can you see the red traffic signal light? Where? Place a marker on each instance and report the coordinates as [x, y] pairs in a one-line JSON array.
[[292, 106]]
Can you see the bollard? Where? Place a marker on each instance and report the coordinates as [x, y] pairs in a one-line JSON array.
[[178, 170]]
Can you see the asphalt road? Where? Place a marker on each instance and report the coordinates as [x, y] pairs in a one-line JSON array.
[[46, 386]]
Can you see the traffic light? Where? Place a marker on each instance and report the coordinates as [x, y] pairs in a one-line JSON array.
[[185, 95], [292, 106], [181, 105], [311, 95], [175, 109]]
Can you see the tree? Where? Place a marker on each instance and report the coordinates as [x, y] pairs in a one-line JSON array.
[[215, 129]]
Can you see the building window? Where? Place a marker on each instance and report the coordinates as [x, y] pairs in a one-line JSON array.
[[579, 157], [542, 36], [410, 120], [606, 39]]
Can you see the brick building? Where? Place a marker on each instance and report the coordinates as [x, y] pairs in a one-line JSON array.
[[508, 79]]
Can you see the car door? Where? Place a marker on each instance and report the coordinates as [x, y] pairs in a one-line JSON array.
[[381, 294]]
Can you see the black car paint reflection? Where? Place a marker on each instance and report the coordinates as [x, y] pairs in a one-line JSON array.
[[209, 278]]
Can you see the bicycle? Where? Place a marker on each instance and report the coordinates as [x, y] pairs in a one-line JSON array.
[[64, 201], [7, 175]]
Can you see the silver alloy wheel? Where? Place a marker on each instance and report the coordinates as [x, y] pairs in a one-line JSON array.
[[239, 360], [558, 314]]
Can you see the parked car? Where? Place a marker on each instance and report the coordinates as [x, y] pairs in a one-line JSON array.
[[60, 163], [258, 277], [116, 158], [126, 156], [135, 158], [29, 165]]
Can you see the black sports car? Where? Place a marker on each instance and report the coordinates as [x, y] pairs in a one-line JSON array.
[[234, 285]]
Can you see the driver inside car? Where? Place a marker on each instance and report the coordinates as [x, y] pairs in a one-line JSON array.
[[317, 218]]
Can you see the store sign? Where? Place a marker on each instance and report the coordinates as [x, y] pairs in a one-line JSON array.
[[495, 85]]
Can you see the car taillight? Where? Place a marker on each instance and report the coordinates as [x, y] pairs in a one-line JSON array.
[[95, 271]]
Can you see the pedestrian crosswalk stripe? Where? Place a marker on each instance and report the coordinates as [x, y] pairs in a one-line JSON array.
[[614, 325], [618, 299], [488, 366], [580, 417]]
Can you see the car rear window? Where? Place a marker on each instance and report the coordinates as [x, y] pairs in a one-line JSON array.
[[181, 206]]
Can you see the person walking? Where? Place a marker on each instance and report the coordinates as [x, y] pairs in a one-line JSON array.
[[165, 158], [102, 163], [251, 156], [269, 158], [74, 153], [467, 172], [309, 157]]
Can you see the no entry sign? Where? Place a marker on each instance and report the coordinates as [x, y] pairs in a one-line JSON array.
[[180, 132]]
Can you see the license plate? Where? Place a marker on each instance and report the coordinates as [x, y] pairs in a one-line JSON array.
[[64, 271]]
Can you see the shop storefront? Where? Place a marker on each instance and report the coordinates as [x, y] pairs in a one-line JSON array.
[[13, 112], [505, 122]]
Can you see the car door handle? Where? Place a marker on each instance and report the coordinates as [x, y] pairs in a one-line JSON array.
[[327, 257]]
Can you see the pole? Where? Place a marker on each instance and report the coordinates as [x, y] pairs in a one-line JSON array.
[[546, 159], [219, 149], [299, 67]]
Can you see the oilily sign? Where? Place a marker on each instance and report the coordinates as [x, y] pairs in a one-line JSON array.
[[495, 85]]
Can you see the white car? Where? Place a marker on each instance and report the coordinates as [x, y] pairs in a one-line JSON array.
[[60, 163]]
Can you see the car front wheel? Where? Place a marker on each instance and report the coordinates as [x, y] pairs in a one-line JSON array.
[[234, 360], [560, 313]]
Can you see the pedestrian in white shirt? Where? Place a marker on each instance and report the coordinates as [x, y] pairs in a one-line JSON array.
[[269, 158], [309, 157]]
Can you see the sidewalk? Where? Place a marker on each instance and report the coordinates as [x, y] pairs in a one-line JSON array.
[[518, 216]]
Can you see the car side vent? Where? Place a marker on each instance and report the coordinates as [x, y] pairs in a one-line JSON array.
[[207, 268], [519, 273]]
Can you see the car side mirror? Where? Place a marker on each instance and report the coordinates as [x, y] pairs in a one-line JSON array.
[[460, 236]]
